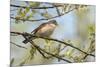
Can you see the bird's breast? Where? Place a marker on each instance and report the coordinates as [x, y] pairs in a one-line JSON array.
[[47, 27], [46, 31]]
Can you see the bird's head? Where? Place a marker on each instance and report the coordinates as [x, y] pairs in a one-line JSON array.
[[53, 22]]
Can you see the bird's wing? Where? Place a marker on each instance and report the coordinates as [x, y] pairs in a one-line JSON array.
[[42, 25]]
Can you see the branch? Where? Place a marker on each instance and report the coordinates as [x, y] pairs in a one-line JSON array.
[[57, 10], [43, 18], [35, 7], [11, 62], [48, 52], [27, 34], [34, 46], [90, 48], [63, 48], [18, 45], [40, 49]]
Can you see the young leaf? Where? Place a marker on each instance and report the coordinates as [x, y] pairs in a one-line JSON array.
[[34, 4], [27, 9], [69, 53], [46, 15]]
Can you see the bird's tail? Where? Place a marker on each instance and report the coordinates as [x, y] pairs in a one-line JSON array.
[[28, 39]]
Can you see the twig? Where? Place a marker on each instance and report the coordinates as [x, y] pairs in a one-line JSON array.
[[90, 50], [49, 53], [14, 34], [37, 49], [18, 45], [44, 18], [34, 46], [56, 41], [40, 49], [34, 7], [11, 62], [63, 48], [59, 47], [57, 10]]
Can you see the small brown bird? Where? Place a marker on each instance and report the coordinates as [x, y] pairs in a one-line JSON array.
[[44, 30]]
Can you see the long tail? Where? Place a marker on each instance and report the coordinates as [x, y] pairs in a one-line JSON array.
[[28, 39]]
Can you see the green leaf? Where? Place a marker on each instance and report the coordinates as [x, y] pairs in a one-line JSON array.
[[32, 51], [91, 28], [33, 11], [46, 15], [19, 11], [30, 16], [27, 9], [69, 53], [23, 15], [47, 41], [65, 7], [34, 4]]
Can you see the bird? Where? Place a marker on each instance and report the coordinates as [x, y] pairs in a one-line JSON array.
[[44, 30]]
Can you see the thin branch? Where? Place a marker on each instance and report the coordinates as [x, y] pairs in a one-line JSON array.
[[54, 40], [91, 51], [35, 7], [18, 45], [13, 34], [59, 47], [45, 18], [49, 53], [57, 10], [11, 62], [35, 47], [63, 48], [40, 49]]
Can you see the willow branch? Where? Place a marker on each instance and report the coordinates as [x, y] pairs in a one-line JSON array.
[[11, 62], [91, 51], [18, 45], [55, 41], [63, 48], [18, 6], [57, 10], [44, 18], [49, 53]]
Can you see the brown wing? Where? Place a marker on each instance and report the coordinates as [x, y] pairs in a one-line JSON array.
[[42, 25]]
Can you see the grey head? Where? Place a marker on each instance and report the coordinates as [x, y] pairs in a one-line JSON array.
[[53, 22]]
